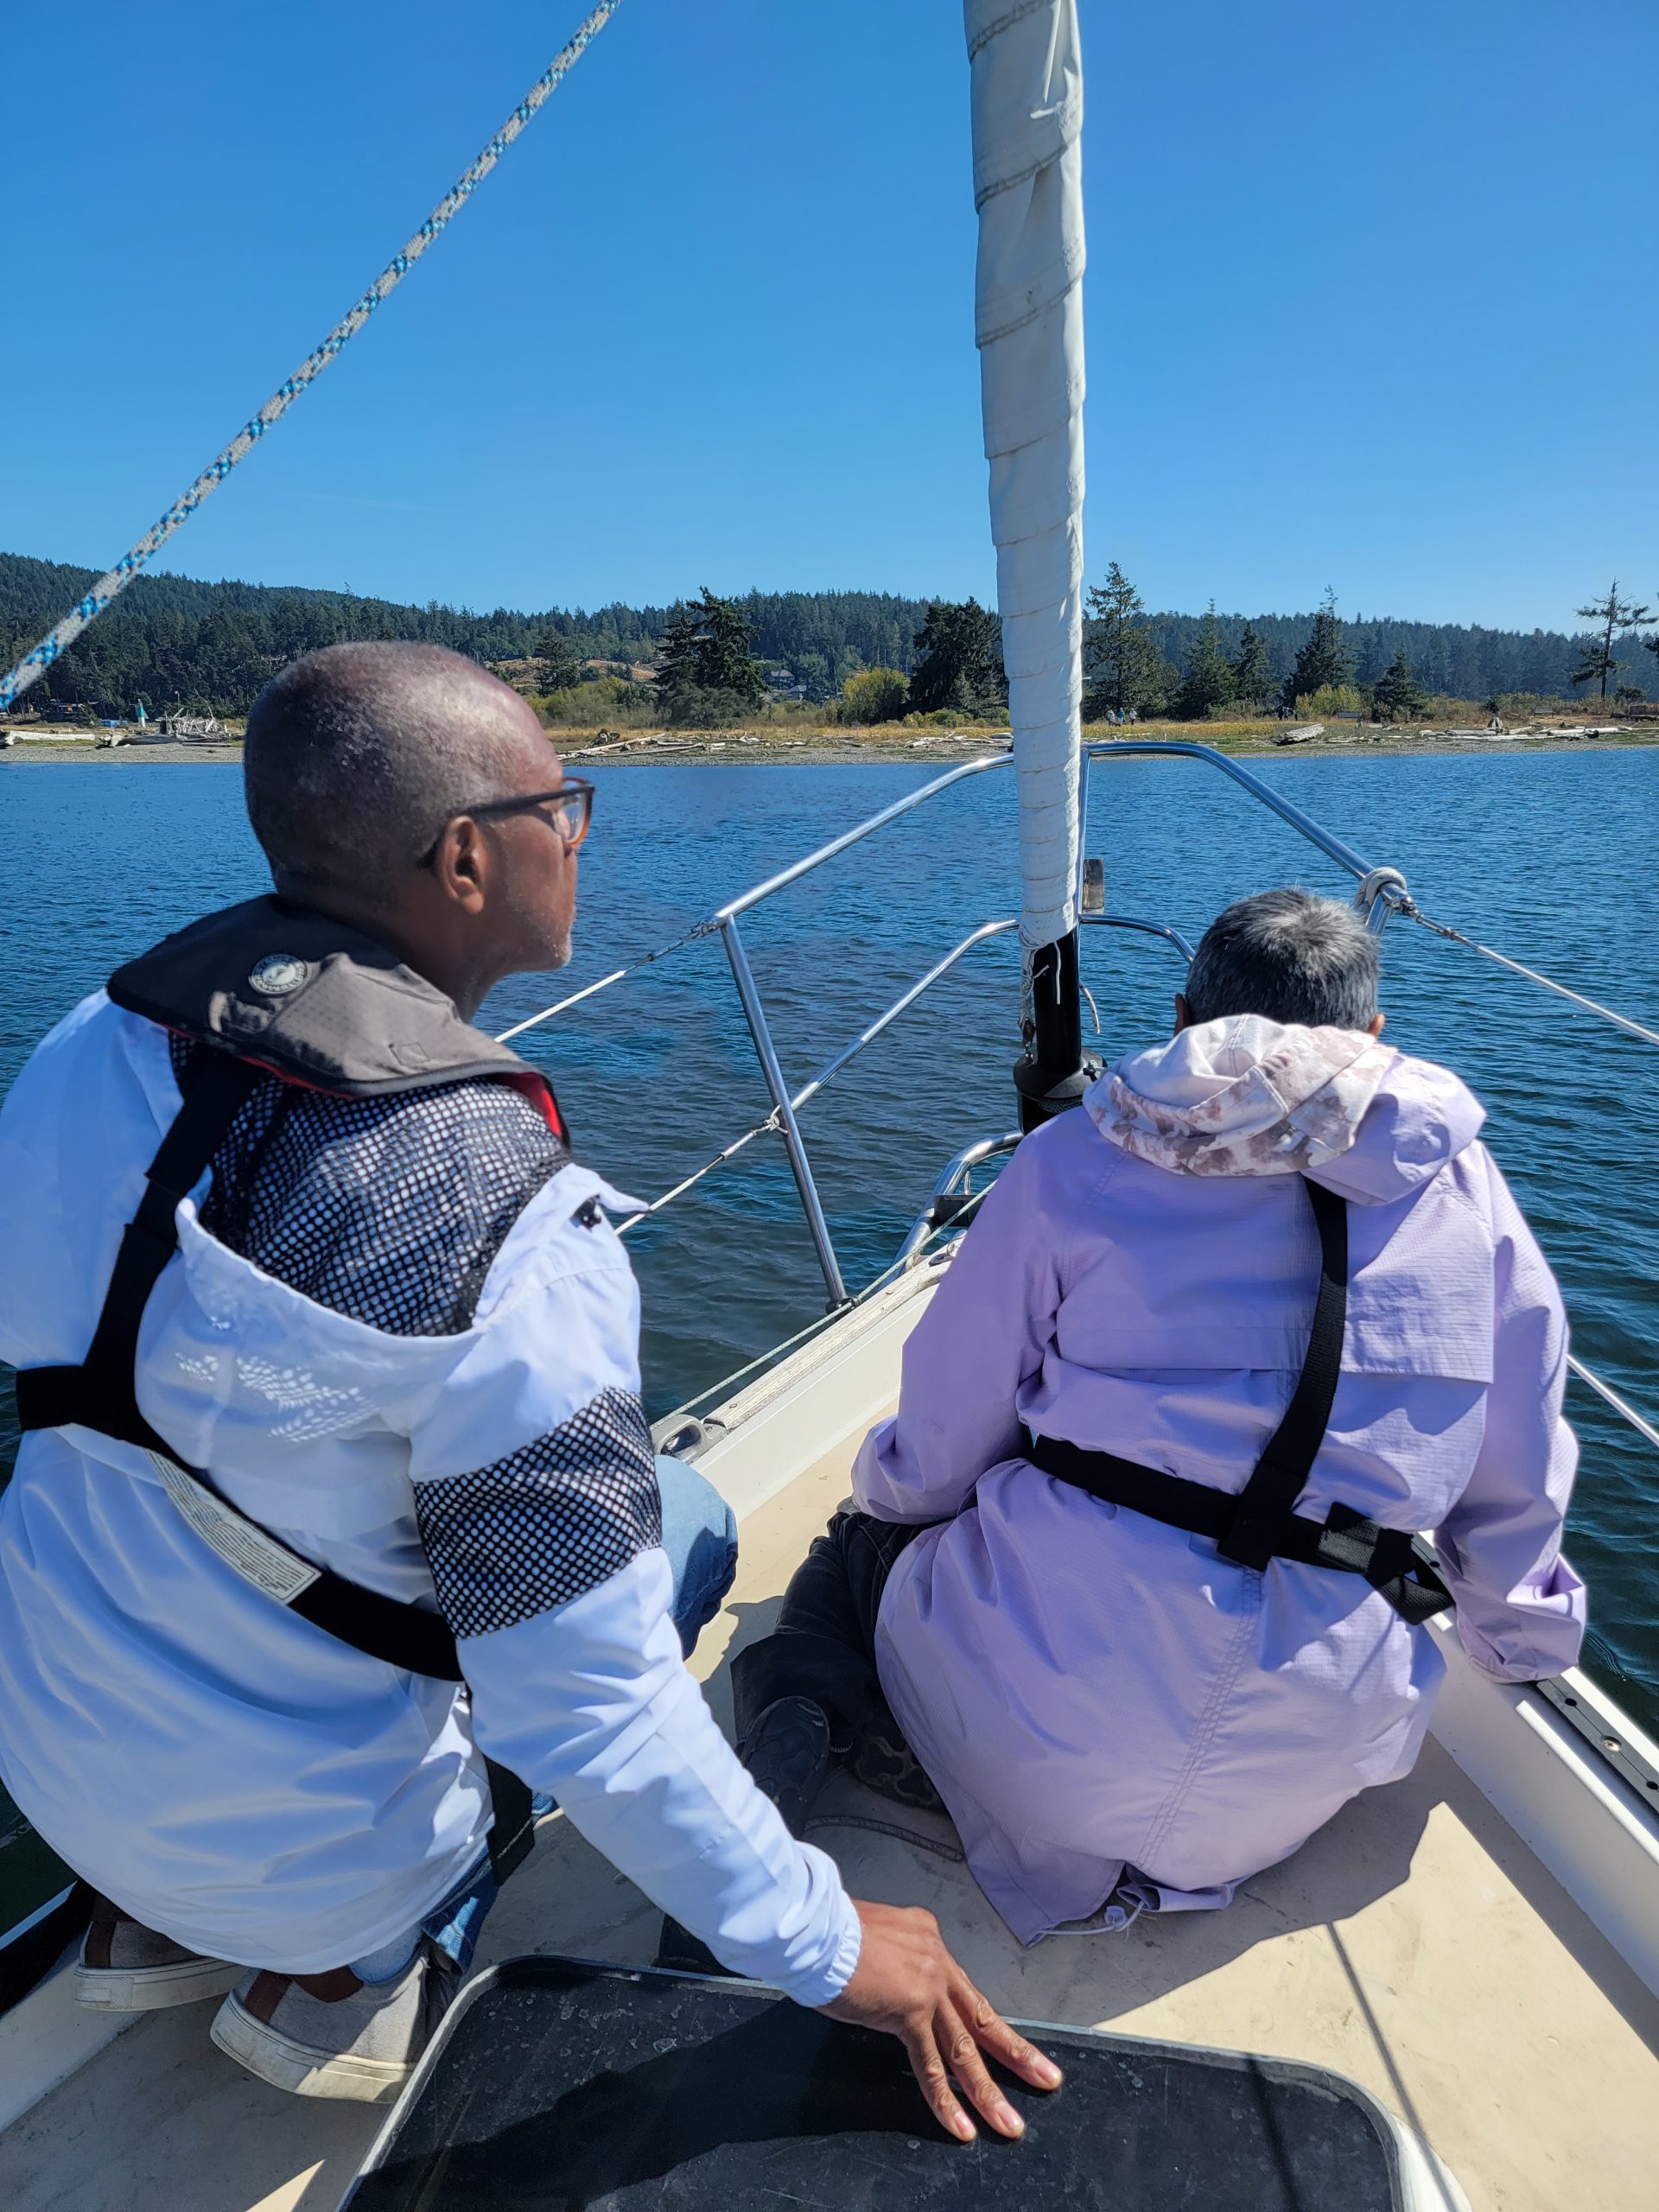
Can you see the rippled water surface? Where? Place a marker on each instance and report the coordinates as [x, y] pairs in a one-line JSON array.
[[1553, 858]]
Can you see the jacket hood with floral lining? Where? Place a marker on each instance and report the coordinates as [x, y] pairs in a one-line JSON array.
[[1245, 1095]]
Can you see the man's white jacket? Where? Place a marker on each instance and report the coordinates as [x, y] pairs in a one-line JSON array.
[[231, 1775]]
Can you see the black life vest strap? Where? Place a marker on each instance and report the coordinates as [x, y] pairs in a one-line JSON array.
[[1279, 1475], [101, 1394], [1260, 1524]]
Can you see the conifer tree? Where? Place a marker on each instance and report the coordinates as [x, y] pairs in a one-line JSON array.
[[1209, 679], [959, 661], [1324, 658], [1397, 696], [1124, 669], [1616, 615], [707, 675], [561, 663], [1252, 677]]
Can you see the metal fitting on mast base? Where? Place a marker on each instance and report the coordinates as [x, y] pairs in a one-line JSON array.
[[1041, 1097], [1055, 1071]]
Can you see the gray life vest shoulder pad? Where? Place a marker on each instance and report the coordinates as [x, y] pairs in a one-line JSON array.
[[317, 1003]]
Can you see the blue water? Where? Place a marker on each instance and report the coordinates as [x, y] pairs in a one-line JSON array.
[[1553, 858]]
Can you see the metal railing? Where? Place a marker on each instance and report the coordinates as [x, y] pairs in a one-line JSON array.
[[1148, 929], [954, 1196], [1381, 893], [786, 1105], [1383, 888], [724, 923]]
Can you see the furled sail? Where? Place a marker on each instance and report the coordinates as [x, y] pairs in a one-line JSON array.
[[1028, 106]]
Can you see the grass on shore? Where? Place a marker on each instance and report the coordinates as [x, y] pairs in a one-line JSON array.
[[791, 736]]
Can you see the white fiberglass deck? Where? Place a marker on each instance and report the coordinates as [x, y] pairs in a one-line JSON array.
[[1417, 1944]]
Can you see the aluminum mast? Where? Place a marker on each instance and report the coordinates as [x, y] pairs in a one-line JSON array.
[[1027, 111]]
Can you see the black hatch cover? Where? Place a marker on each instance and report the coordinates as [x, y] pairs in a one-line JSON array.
[[555, 2084]]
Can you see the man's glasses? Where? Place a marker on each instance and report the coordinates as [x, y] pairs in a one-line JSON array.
[[570, 811]]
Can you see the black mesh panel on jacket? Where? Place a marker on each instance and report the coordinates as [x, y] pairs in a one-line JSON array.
[[546, 1523], [389, 1209]]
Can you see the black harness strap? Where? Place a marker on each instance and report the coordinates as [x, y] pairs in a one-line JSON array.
[[1262, 1523], [101, 1394], [1281, 1474]]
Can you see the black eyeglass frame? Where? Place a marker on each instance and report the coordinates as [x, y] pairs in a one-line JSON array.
[[574, 788]]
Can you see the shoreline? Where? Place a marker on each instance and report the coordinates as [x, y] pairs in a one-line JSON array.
[[829, 751]]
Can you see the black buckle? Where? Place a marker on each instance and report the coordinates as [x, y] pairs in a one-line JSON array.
[[1252, 1538]]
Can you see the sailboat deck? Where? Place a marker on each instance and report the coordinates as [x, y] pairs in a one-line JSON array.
[[1416, 1945]]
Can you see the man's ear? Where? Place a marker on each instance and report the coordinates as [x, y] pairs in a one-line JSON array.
[[1183, 1014], [461, 863], [1378, 1024]]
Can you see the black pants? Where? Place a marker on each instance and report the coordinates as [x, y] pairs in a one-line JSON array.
[[823, 1648]]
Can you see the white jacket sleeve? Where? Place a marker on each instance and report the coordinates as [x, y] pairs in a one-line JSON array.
[[535, 1495], [1520, 1608]]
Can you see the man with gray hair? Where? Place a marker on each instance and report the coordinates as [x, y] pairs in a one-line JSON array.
[[1132, 1583], [336, 1540]]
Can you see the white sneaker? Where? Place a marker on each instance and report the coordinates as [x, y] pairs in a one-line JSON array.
[[127, 1967], [330, 2035]]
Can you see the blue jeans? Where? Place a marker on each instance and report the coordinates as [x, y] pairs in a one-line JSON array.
[[700, 1536]]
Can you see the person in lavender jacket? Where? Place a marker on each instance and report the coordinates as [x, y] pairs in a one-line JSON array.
[[1114, 1715]]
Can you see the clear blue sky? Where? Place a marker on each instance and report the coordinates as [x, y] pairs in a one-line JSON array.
[[1371, 298]]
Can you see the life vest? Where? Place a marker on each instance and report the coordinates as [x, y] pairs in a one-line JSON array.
[[1260, 1523], [271, 989]]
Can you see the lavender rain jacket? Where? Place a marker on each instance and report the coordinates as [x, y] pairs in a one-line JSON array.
[[1093, 1692]]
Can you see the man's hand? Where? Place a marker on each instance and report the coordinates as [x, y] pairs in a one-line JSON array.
[[907, 1984]]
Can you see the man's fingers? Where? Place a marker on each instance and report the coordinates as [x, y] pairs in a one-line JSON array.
[[973, 2076], [931, 2072], [906, 1984], [993, 2034]]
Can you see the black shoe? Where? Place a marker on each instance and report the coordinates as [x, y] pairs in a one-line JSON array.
[[885, 1762], [787, 1752]]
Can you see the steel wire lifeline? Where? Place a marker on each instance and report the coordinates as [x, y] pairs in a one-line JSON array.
[[35, 663], [1409, 908]]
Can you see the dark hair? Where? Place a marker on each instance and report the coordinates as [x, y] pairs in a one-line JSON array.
[[1289, 955], [357, 755]]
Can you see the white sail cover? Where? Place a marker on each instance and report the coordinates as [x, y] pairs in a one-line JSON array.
[[1028, 94]]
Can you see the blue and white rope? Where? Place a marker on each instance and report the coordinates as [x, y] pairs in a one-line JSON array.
[[35, 663]]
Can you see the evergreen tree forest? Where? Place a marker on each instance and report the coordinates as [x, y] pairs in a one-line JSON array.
[[1450, 660], [1252, 670], [171, 640]]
